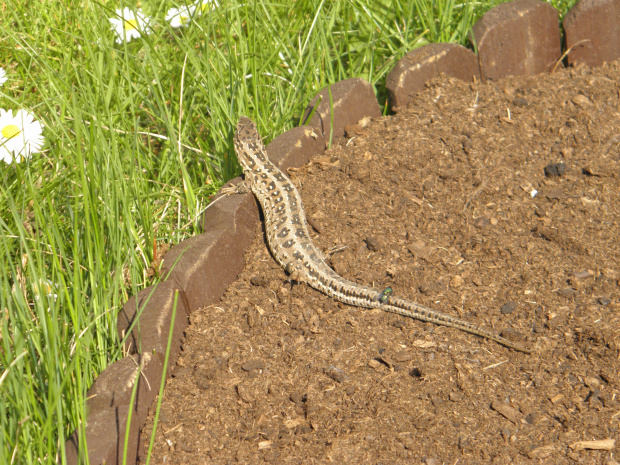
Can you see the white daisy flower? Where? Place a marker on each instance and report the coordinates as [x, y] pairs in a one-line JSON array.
[[3, 77], [20, 135], [205, 6], [129, 25], [180, 16], [286, 65], [46, 288]]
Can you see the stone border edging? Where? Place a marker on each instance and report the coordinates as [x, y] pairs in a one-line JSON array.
[[519, 38], [591, 26], [415, 69]]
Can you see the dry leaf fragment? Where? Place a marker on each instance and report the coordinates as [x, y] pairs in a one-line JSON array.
[[421, 344], [420, 250], [542, 452], [600, 444], [506, 411], [557, 398]]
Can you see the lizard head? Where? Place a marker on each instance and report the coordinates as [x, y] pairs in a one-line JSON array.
[[248, 145]]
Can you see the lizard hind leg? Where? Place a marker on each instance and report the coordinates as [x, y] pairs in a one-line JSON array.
[[295, 273], [242, 187]]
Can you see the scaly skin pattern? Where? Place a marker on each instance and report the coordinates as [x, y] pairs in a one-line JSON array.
[[291, 246]]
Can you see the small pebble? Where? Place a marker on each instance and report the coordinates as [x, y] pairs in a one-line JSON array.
[[456, 281], [258, 281], [582, 101], [482, 222], [468, 146], [508, 308], [584, 274], [408, 443], [336, 374], [519, 102], [540, 212], [604, 301], [297, 397], [244, 395], [532, 418], [254, 364], [555, 169], [568, 292], [372, 243], [592, 382], [403, 356]]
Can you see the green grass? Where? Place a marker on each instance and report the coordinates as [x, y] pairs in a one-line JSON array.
[[138, 137]]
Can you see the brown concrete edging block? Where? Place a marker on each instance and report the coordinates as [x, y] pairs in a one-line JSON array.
[[204, 265], [293, 148], [352, 100], [108, 405], [411, 73], [591, 27], [146, 318], [517, 38], [106, 439]]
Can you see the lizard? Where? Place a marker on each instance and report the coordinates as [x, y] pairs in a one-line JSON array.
[[291, 245]]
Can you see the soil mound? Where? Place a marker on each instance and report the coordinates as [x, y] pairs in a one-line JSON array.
[[497, 203]]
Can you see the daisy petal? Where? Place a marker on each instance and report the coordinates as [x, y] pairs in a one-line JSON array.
[[129, 25], [20, 135], [180, 16]]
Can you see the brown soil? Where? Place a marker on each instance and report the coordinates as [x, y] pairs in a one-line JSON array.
[[448, 203]]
